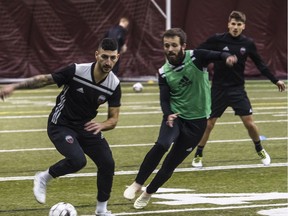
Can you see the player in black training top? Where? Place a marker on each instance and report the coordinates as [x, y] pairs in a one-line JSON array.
[[228, 82], [71, 127], [119, 32]]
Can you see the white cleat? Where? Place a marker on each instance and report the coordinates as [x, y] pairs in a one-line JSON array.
[[142, 201], [265, 158], [197, 162], [39, 188], [131, 191]]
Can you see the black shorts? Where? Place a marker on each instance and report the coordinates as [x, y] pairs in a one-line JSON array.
[[187, 133], [230, 97]]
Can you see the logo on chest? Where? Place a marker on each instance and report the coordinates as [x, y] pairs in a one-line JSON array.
[[81, 90], [242, 50], [184, 82], [101, 99]]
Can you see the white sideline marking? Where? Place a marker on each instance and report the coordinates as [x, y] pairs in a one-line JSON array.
[[284, 113], [197, 209], [133, 172], [141, 126], [139, 145]]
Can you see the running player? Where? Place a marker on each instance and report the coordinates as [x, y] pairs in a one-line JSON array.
[[71, 127], [185, 102], [228, 83]]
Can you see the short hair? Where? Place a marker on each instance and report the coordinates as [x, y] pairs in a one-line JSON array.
[[124, 19], [238, 16], [108, 44], [176, 32]]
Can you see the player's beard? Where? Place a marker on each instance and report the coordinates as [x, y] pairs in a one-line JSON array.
[[106, 68], [175, 58]]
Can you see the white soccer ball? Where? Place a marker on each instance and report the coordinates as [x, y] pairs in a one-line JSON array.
[[138, 87], [63, 209]]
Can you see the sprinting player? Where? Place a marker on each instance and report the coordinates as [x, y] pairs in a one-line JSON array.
[[228, 83], [71, 127], [185, 102]]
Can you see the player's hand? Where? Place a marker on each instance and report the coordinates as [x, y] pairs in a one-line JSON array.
[[231, 60], [171, 118], [93, 126], [281, 85], [6, 91]]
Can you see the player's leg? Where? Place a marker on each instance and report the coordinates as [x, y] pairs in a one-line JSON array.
[[255, 136], [97, 148], [242, 107], [218, 106], [167, 135], [66, 143], [197, 161], [190, 135]]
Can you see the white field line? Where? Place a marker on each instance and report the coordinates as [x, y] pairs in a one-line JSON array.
[[144, 126], [279, 113], [197, 209], [142, 144], [155, 94], [134, 172]]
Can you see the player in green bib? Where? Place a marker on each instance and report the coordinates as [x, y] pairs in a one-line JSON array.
[[189, 88], [185, 103]]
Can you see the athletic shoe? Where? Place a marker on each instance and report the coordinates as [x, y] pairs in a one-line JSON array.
[[39, 188], [108, 213], [265, 158], [130, 192], [197, 162], [141, 201]]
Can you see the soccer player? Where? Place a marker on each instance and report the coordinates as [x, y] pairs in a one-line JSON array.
[[228, 83], [71, 127], [185, 102], [119, 32]]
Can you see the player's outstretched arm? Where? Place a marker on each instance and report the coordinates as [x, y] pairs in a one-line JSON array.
[[281, 85], [37, 81]]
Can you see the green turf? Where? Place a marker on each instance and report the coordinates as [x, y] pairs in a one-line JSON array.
[[23, 119]]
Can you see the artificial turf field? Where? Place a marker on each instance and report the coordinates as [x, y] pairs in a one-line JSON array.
[[232, 182]]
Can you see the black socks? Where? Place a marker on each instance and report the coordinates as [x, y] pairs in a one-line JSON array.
[[258, 146]]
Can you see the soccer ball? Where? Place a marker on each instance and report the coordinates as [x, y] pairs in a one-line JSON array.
[[138, 87], [63, 209]]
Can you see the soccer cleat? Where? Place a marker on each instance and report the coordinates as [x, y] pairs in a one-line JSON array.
[[197, 162], [39, 188], [108, 213], [130, 192], [142, 201], [265, 158]]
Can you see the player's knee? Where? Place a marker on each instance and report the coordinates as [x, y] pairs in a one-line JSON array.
[[210, 126], [250, 126], [78, 163], [107, 167], [161, 148]]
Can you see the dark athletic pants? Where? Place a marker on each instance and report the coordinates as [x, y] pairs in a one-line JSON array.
[[73, 145], [186, 135]]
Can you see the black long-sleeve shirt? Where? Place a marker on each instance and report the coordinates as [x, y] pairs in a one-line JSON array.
[[240, 46]]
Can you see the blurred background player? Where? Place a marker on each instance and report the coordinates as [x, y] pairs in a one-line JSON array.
[[119, 32], [70, 125], [228, 83]]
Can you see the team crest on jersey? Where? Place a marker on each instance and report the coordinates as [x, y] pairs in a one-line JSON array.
[[101, 99], [242, 50], [69, 139]]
